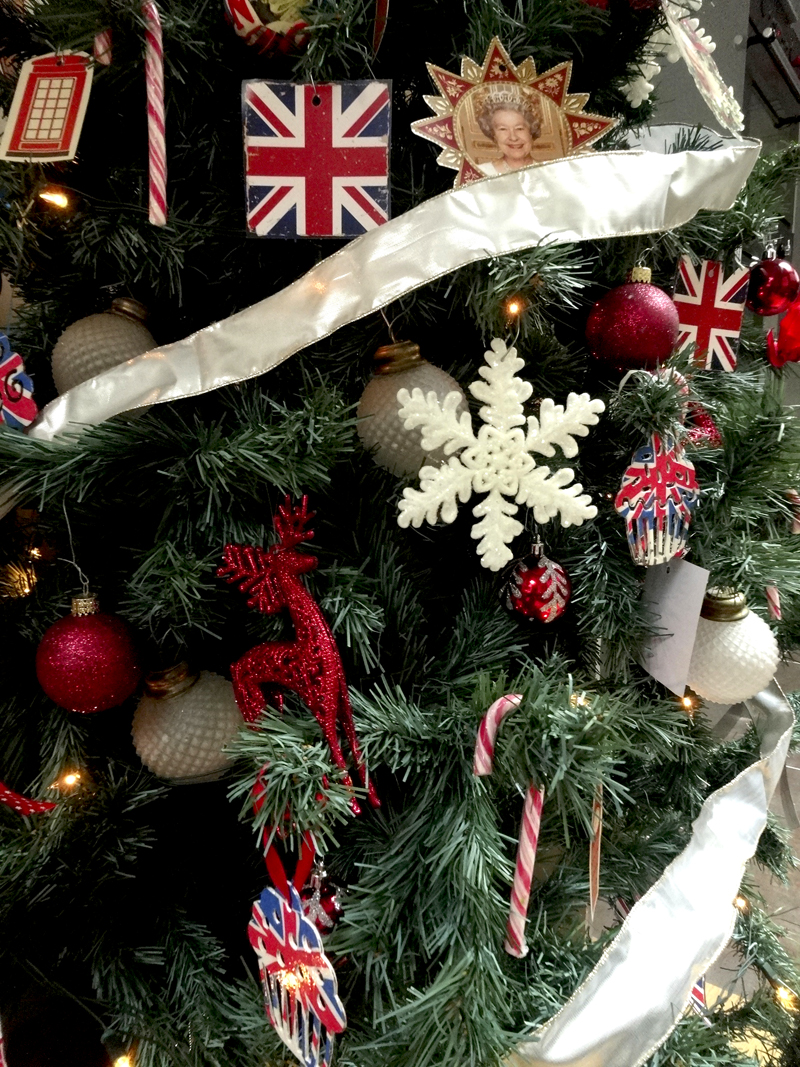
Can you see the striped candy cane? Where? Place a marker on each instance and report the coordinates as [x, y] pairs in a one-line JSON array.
[[594, 849], [154, 73], [515, 943], [774, 601], [102, 48], [487, 732], [529, 831]]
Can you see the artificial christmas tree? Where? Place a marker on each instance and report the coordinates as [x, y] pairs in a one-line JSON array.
[[129, 900]]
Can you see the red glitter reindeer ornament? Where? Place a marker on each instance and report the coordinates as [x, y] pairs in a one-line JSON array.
[[310, 665]]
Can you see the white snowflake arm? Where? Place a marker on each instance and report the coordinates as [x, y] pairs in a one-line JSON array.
[[550, 495], [559, 426], [496, 530], [440, 424], [439, 488], [502, 392]]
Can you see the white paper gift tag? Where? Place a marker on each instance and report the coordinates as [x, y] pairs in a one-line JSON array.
[[674, 593]]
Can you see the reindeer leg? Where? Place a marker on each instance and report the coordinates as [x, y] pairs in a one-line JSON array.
[[247, 690], [327, 721], [346, 718]]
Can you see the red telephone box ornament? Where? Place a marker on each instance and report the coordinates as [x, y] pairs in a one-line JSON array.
[[48, 108]]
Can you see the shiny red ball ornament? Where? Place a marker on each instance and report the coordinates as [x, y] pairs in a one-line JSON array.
[[774, 285], [538, 589], [87, 661], [634, 326], [787, 347]]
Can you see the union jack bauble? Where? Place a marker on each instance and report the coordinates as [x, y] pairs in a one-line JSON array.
[[17, 407], [659, 492], [300, 990]]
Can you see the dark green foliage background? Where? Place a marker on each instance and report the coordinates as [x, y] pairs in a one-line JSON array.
[[133, 897]]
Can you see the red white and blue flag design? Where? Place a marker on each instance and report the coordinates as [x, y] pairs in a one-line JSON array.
[[710, 305], [300, 991], [658, 495], [317, 157], [17, 407], [697, 998]]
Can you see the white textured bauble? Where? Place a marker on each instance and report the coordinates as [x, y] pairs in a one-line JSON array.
[[180, 734], [399, 366], [732, 660], [95, 344]]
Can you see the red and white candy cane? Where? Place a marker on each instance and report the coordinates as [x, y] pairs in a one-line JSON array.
[[794, 499], [529, 831], [774, 602], [157, 145], [487, 732]]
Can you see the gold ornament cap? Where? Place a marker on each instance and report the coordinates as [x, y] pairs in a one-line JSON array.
[[391, 359], [640, 274], [85, 604], [724, 605], [130, 308], [169, 683]]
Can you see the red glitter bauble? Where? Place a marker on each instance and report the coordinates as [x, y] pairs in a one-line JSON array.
[[538, 589], [87, 661], [633, 326], [774, 284]]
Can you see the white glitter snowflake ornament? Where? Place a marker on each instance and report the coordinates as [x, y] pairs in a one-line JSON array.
[[498, 459]]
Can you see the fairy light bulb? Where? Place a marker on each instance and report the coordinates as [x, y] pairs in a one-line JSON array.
[[742, 904], [513, 307], [787, 998], [55, 196], [123, 1061]]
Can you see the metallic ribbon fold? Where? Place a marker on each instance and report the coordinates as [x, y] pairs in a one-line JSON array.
[[585, 197], [635, 996]]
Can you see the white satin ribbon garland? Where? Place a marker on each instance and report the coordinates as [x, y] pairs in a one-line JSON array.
[[636, 994], [588, 197]]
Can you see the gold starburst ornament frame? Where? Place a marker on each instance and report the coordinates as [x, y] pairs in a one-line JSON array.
[[564, 128]]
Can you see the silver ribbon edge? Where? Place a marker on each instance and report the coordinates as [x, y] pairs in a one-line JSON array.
[[578, 198], [636, 994]]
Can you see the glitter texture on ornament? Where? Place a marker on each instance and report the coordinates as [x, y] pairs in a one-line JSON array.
[[498, 460]]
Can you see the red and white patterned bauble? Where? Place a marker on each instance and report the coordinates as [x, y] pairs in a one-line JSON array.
[[87, 661], [538, 589], [774, 285], [633, 326]]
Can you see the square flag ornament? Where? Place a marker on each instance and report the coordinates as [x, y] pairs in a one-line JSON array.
[[316, 157]]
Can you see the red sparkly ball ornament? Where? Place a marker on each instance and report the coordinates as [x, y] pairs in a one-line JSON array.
[[538, 588], [87, 661], [635, 325], [774, 285]]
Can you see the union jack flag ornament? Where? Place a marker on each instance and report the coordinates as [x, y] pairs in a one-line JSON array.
[[316, 157], [17, 407], [300, 990], [710, 305], [697, 999], [658, 495]]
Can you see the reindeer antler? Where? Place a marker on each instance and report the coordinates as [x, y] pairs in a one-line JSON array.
[[249, 567], [290, 520]]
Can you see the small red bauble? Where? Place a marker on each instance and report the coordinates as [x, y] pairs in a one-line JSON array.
[[538, 589], [87, 661], [774, 285], [634, 325]]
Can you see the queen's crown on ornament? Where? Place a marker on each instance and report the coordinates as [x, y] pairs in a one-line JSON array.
[[497, 460]]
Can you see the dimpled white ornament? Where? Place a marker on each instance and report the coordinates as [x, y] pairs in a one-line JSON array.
[[95, 344], [735, 653], [400, 366], [182, 724]]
